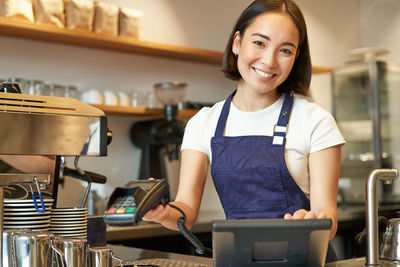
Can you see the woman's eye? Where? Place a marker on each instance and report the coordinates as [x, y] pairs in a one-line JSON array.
[[287, 51], [258, 43]]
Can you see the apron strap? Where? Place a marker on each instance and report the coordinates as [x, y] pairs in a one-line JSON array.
[[283, 120], [280, 127], [219, 132]]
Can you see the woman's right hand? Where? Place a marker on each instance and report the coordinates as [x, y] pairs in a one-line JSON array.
[[159, 214]]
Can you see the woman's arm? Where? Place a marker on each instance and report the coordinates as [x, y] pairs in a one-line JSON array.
[[324, 168], [193, 174]]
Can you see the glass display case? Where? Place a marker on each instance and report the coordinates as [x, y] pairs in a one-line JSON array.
[[365, 106]]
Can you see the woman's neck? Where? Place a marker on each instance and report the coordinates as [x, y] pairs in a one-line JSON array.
[[248, 100]]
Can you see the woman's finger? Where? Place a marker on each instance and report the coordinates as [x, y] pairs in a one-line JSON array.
[[299, 214], [288, 216], [161, 215], [310, 215], [153, 214]]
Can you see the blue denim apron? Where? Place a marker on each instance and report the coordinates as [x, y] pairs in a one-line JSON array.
[[250, 172]]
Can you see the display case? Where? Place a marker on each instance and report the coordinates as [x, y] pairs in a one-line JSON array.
[[365, 105]]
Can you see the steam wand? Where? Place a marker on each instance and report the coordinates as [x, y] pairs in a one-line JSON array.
[[88, 179]]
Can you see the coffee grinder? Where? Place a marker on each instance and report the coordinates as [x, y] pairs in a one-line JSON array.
[[160, 137]]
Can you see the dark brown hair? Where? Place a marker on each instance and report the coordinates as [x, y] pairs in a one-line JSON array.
[[299, 78]]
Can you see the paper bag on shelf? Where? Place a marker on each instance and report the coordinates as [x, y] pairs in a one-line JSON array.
[[79, 14], [49, 12], [18, 9], [105, 19], [130, 22]]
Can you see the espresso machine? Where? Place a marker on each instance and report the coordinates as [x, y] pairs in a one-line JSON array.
[[49, 126]]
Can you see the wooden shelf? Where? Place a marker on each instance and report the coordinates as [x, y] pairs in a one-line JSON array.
[[183, 114], [53, 34], [316, 70]]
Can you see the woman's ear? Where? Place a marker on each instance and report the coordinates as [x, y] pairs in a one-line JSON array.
[[236, 43]]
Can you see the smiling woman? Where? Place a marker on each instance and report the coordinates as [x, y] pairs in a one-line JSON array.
[[272, 154]]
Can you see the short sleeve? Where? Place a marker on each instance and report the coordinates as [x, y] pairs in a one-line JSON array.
[[324, 132], [193, 137]]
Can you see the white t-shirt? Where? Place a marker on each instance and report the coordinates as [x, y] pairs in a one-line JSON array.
[[310, 129]]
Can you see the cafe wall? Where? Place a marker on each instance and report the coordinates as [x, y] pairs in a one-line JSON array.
[[189, 28], [335, 26], [380, 22]]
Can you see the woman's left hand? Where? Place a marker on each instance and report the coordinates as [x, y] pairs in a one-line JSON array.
[[304, 214]]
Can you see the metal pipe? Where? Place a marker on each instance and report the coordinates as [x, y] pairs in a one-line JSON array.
[[376, 113], [386, 175]]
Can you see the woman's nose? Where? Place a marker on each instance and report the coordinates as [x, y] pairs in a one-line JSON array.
[[269, 58]]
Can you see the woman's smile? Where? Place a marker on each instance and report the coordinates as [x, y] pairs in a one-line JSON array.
[[263, 74]]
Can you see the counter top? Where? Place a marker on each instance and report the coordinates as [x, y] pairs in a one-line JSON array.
[[144, 230], [346, 213], [132, 254], [357, 262], [357, 212], [360, 262]]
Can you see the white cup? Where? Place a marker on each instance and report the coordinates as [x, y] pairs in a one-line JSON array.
[[137, 98], [111, 98], [92, 96], [124, 99]]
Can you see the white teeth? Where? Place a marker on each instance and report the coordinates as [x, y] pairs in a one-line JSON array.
[[263, 74]]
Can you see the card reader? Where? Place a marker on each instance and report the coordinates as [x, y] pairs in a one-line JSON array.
[[129, 203]]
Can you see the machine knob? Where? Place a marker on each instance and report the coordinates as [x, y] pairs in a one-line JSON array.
[[109, 136]]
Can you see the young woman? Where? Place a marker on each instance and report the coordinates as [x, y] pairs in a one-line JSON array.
[[272, 155]]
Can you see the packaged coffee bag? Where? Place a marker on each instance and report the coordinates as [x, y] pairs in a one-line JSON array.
[[79, 14], [130, 22], [49, 12], [105, 18], [18, 9]]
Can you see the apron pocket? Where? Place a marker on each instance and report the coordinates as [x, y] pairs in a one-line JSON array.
[[251, 189]]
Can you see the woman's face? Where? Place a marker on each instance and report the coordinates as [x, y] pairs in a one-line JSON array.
[[266, 52]]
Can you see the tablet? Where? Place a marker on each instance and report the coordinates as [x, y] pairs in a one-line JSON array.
[[270, 242]]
